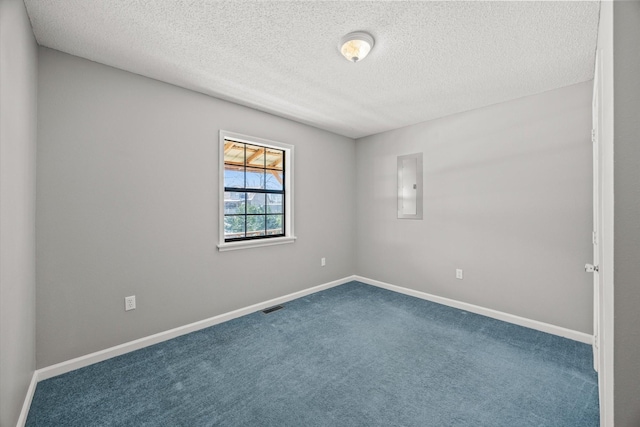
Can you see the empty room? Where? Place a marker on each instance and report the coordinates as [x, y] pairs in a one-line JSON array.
[[301, 213]]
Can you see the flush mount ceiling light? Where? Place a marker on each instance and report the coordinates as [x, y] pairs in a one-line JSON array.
[[356, 46]]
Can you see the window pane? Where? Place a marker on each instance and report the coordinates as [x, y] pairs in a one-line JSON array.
[[274, 180], [274, 203], [255, 178], [255, 203], [275, 224], [275, 159], [233, 176], [253, 190], [255, 156], [255, 225], [234, 202], [233, 226], [234, 152]]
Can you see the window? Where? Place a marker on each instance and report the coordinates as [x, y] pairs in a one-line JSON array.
[[256, 192]]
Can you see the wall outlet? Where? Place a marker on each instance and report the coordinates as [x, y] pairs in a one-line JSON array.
[[458, 273], [130, 303], [323, 262]]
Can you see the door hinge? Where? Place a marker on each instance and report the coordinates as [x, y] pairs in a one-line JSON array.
[[593, 136], [594, 237]]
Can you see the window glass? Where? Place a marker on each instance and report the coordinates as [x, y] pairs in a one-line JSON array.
[[254, 191]]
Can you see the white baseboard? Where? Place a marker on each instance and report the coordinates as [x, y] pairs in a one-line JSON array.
[[506, 317], [22, 420], [99, 356]]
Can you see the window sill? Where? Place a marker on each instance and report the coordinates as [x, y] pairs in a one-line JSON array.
[[247, 244]]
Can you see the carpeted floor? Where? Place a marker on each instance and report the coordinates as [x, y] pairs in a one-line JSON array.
[[353, 355]]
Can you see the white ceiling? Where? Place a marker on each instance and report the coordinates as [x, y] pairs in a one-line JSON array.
[[430, 59]]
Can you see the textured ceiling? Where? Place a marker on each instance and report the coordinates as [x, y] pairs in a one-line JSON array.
[[430, 59]]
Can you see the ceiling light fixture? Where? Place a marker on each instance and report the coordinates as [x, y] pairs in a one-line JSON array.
[[356, 46]]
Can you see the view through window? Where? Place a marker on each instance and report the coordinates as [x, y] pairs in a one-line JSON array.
[[254, 191]]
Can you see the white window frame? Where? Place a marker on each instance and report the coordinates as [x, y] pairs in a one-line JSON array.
[[289, 236]]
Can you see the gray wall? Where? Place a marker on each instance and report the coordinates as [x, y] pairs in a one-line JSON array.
[[18, 83], [626, 68], [127, 194], [507, 198]]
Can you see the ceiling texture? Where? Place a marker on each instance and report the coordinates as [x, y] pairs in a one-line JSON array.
[[430, 59]]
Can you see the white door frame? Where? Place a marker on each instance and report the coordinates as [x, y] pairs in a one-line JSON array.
[[597, 205], [606, 210]]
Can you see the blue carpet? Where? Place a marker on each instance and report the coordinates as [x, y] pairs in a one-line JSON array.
[[353, 355]]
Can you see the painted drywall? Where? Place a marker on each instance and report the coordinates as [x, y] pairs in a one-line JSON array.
[[18, 109], [507, 199], [626, 69], [127, 194]]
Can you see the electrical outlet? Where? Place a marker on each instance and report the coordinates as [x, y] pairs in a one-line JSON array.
[[130, 303], [323, 262], [458, 273]]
